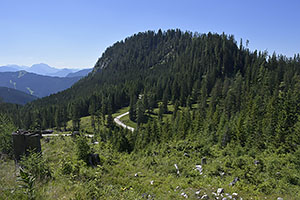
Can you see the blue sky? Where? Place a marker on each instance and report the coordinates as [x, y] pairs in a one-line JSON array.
[[74, 33]]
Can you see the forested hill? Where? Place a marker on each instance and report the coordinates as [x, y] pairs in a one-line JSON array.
[[10, 95], [239, 94]]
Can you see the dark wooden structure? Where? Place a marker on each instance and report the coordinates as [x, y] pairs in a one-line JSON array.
[[24, 142]]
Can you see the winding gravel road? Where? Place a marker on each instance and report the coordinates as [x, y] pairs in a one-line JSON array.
[[117, 121], [120, 123]]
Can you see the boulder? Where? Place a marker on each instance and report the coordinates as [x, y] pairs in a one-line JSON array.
[[184, 195], [199, 168], [175, 165], [220, 191]]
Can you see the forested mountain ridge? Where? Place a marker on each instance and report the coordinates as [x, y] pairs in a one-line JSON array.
[[191, 96], [10, 95], [227, 81]]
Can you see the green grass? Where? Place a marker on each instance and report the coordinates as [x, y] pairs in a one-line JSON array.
[[115, 178], [128, 122], [120, 111]]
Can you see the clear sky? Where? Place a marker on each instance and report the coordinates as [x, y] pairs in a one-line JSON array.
[[74, 33]]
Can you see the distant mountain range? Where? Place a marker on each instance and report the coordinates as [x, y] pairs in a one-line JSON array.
[[46, 70], [10, 95], [34, 84]]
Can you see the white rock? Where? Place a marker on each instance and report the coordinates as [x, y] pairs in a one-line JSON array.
[[137, 174], [199, 168], [151, 182], [175, 165], [184, 195], [198, 192], [235, 194], [279, 198], [220, 191], [204, 197]]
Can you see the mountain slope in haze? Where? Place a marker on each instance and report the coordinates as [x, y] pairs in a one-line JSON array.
[[11, 68], [80, 73], [10, 95], [46, 70], [41, 69], [34, 84]]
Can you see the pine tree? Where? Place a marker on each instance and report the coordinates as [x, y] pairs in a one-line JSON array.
[[132, 108]]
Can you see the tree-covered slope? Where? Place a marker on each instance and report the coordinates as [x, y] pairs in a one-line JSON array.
[[10, 95], [226, 80], [191, 96]]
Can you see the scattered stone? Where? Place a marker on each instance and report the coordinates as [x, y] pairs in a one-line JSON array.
[[222, 173], [187, 155], [184, 195], [198, 192], [215, 194], [175, 165], [151, 182], [199, 168], [220, 191], [203, 161], [279, 198], [205, 197], [256, 162], [224, 198], [147, 196], [95, 142], [236, 179], [137, 174], [278, 174], [235, 194]]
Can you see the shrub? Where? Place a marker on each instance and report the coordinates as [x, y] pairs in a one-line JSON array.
[[6, 128], [26, 183], [36, 165], [82, 148]]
